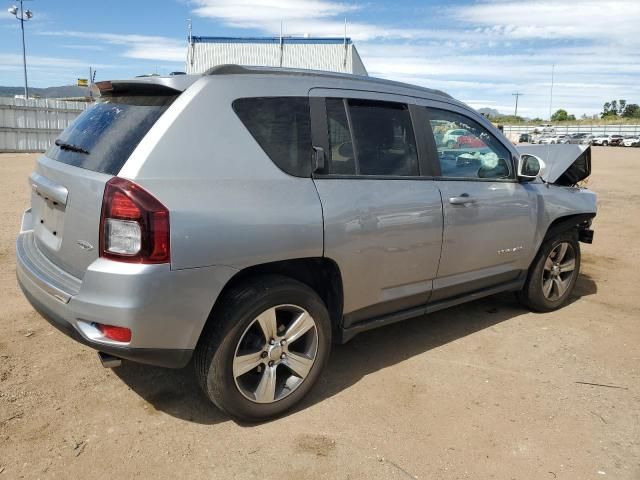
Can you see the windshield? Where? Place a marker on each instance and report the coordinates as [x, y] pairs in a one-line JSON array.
[[105, 134]]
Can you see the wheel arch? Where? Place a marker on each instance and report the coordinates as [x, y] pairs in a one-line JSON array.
[[579, 221], [567, 222], [319, 273]]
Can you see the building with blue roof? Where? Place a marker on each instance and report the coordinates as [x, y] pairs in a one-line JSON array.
[[331, 54]]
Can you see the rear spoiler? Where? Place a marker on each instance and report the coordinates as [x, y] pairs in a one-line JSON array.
[[154, 85], [133, 88]]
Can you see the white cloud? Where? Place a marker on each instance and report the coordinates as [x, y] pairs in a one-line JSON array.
[[298, 17], [143, 47], [615, 20], [256, 12], [266, 15], [97, 48], [12, 61]]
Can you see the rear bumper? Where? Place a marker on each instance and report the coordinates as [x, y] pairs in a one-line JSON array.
[[164, 309], [162, 357]]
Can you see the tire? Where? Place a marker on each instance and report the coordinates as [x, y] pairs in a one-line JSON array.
[[238, 325], [536, 294], [605, 143]]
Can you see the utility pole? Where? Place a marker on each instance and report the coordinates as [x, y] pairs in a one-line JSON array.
[[553, 68], [92, 79], [346, 50], [190, 53], [281, 41], [517, 95], [23, 17]]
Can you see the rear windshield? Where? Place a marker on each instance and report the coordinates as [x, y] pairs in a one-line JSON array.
[[104, 135]]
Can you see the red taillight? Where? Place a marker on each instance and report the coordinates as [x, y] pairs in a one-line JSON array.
[[123, 208], [119, 334], [134, 225]]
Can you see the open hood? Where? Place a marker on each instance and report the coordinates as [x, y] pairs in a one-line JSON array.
[[567, 164]]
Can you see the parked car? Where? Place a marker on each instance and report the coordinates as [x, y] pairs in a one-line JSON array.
[[607, 140], [525, 138], [580, 138], [450, 138], [557, 139], [544, 128], [547, 139], [616, 140], [470, 141], [248, 218], [631, 141]]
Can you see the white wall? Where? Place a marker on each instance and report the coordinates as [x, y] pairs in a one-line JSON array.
[[31, 125]]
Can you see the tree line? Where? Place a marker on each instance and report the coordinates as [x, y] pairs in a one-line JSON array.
[[610, 110], [613, 109], [620, 108]]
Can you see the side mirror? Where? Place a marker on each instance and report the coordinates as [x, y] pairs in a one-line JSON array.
[[530, 167]]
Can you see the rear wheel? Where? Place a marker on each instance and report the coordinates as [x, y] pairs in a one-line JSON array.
[[553, 274], [267, 346]]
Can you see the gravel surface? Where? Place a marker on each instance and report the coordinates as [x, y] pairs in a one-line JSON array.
[[481, 391]]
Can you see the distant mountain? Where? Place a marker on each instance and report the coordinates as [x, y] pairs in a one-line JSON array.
[[492, 112], [64, 91]]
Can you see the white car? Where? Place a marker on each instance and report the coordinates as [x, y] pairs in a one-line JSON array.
[[450, 138], [631, 141], [544, 128], [552, 139], [606, 140]]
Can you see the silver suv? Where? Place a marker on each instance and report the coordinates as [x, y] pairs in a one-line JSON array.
[[249, 217]]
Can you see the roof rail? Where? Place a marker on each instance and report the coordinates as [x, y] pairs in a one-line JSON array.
[[233, 69]]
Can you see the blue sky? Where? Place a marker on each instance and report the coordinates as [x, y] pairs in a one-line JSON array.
[[480, 51]]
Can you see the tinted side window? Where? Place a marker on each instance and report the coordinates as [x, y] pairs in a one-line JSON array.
[[384, 140], [466, 149], [282, 127]]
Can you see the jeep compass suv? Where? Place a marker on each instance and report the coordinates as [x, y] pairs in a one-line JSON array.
[[248, 218]]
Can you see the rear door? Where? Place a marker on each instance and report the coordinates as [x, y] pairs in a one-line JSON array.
[[489, 217], [382, 210], [69, 180]]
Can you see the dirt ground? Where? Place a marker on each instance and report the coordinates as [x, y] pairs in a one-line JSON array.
[[485, 390]]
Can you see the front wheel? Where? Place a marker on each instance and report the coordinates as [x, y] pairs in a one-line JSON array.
[[266, 347], [553, 274]]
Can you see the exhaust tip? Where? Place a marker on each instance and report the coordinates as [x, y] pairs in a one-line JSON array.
[[109, 361]]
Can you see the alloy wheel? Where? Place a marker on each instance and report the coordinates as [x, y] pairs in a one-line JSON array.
[[558, 272], [275, 353]]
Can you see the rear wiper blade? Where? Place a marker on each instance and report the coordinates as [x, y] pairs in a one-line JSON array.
[[70, 147]]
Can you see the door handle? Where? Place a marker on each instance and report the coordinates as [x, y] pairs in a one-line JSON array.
[[463, 199]]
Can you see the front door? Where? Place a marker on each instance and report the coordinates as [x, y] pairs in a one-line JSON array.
[[489, 217]]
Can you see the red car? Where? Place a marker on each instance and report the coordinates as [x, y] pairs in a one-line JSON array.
[[470, 141]]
